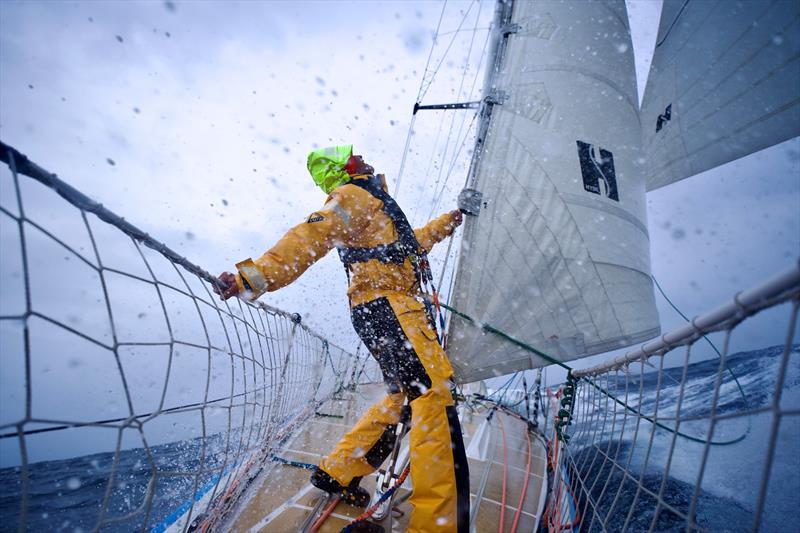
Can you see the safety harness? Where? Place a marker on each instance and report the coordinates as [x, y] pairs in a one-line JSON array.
[[406, 245]]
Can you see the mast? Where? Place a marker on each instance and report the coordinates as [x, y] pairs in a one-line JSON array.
[[501, 29]]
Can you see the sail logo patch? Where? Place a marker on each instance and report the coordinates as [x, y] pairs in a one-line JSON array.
[[597, 168], [663, 119], [315, 217]]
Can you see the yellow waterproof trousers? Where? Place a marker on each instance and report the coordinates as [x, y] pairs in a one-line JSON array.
[[397, 331]]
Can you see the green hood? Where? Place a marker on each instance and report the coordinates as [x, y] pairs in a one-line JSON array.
[[326, 166]]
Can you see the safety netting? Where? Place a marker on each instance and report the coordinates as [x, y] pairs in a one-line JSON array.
[[663, 440], [131, 396]]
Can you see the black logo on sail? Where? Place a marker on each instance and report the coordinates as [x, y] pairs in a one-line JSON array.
[[663, 119], [597, 167]]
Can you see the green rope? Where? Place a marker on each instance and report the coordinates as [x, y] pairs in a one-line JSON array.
[[736, 379], [328, 415], [550, 359], [512, 340]]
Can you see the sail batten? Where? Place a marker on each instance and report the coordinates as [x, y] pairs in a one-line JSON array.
[[559, 257]]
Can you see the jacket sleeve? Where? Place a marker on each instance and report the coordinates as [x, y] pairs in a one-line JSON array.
[[301, 247], [435, 231]]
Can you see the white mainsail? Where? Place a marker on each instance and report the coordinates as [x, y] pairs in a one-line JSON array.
[[559, 257], [724, 83]]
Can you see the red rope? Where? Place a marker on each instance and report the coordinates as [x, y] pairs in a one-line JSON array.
[[525, 486], [501, 528], [324, 516]]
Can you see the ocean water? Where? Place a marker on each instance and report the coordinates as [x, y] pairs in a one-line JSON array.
[[733, 473], [68, 495]]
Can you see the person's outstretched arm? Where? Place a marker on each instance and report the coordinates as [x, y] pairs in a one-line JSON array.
[[438, 229], [301, 247]]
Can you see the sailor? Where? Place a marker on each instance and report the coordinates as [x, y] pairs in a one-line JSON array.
[[380, 253]]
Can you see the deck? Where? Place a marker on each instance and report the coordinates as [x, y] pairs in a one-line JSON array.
[[281, 500]]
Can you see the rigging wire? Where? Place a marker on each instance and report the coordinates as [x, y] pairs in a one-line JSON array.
[[431, 159], [443, 164], [419, 92], [469, 128], [437, 200], [705, 337], [504, 385], [423, 89], [525, 390], [405, 154], [430, 52], [444, 55], [459, 92], [444, 265], [507, 387], [450, 239], [438, 197]]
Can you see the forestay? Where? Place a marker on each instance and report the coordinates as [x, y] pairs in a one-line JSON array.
[[559, 257], [724, 83]]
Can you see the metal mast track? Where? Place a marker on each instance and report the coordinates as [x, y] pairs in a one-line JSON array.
[[501, 29]]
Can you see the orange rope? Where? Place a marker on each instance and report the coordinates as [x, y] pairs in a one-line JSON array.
[[569, 525], [525, 486], [500, 528], [553, 458], [324, 516]]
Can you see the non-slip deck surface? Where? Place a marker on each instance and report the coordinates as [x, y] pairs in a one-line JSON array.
[[280, 501]]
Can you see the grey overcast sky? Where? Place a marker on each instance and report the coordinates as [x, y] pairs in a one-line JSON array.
[[193, 120]]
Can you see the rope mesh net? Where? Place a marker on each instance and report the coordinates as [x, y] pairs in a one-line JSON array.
[[128, 388], [657, 441]]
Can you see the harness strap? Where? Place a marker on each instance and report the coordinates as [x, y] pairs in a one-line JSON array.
[[385, 253], [396, 252]]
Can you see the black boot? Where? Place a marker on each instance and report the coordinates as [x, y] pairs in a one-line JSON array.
[[352, 494], [368, 527]]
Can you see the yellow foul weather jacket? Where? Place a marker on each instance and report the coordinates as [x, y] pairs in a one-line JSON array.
[[351, 217]]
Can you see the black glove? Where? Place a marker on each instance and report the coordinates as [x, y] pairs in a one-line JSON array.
[[469, 201]]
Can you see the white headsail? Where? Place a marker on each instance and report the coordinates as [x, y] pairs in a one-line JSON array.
[[559, 257], [724, 83]]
